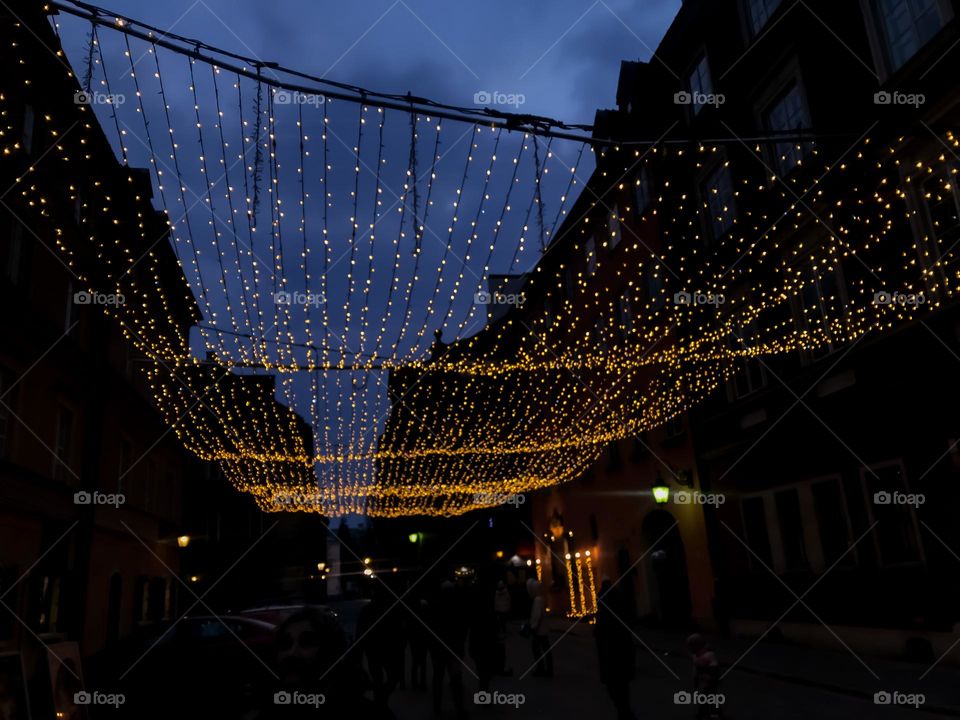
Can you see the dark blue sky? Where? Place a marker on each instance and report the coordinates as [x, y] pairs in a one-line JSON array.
[[562, 55]]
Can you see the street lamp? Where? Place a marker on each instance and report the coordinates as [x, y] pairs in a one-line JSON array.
[[414, 537], [183, 541], [661, 492]]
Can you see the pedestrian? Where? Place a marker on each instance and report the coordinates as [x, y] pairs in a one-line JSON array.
[[419, 638], [447, 646], [706, 677], [380, 637], [313, 663], [502, 605], [616, 654], [484, 635], [538, 630]]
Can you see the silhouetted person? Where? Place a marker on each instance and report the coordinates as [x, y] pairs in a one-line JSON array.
[[502, 604], [706, 674], [316, 674], [615, 650], [484, 633], [419, 638], [447, 644], [380, 636], [539, 642]]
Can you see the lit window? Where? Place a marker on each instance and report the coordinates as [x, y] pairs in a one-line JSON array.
[[907, 25], [789, 114]]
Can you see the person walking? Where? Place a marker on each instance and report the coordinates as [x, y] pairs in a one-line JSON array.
[[539, 642], [502, 604], [447, 647], [615, 650]]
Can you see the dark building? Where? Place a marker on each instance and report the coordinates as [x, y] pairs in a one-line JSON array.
[[760, 143], [107, 523]]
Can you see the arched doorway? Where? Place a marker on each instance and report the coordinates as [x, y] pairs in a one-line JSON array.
[[666, 568]]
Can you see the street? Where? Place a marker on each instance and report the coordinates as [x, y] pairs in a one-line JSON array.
[[575, 691]]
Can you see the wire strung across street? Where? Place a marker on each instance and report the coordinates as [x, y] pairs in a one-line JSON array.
[[344, 307]]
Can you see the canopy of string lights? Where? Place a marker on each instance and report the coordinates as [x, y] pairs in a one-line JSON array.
[[336, 244]]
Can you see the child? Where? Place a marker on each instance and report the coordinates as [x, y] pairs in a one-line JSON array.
[[706, 676]]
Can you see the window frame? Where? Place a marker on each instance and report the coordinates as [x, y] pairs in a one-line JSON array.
[[789, 81], [877, 37], [716, 231], [871, 517]]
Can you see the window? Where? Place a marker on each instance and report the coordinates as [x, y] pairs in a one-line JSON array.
[[63, 446], [943, 207], [674, 427], [791, 529], [700, 84], [906, 26], [755, 527], [643, 191], [654, 277], [789, 114], [591, 256], [718, 192], [599, 334], [749, 375], [760, 12], [625, 313], [832, 522], [895, 532], [820, 305], [613, 227]]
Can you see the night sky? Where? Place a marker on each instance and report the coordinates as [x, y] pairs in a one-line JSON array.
[[562, 57]]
